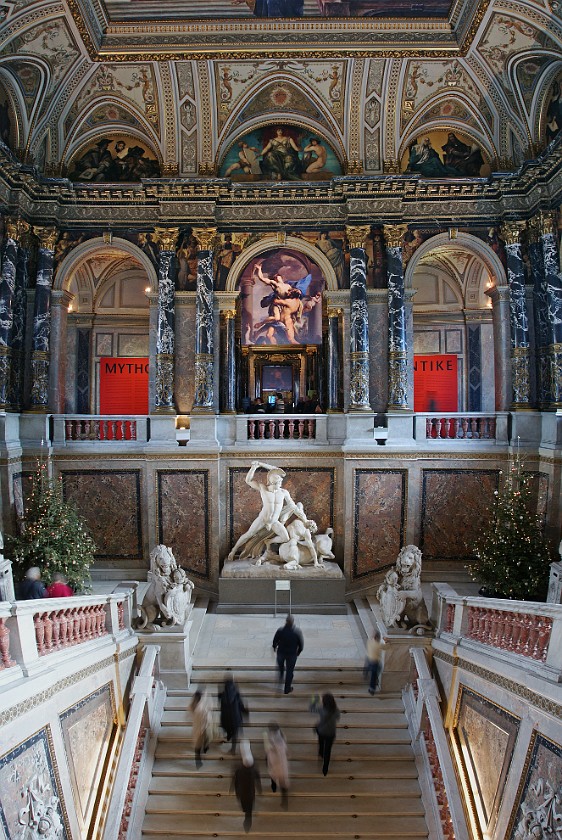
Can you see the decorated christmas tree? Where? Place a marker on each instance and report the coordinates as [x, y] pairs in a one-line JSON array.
[[513, 556], [53, 535]]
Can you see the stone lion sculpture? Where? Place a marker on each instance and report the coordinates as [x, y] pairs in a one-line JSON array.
[[169, 592], [400, 595]]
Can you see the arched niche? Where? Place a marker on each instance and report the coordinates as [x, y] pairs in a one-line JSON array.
[[268, 244]]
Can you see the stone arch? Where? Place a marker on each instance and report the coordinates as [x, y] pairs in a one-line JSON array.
[[99, 245], [472, 243], [268, 244]]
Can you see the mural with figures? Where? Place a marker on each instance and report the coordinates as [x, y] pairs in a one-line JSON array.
[[445, 154], [281, 153], [281, 293], [554, 111], [539, 809], [114, 159]]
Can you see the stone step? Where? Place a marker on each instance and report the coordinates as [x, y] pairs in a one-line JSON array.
[[271, 826], [343, 771], [181, 735], [303, 785], [266, 676], [300, 702], [343, 750], [288, 719], [335, 804]]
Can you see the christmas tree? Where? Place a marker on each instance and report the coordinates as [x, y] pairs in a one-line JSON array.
[[53, 535], [513, 555]]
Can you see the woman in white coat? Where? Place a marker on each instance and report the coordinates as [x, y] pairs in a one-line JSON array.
[[277, 761], [202, 724]]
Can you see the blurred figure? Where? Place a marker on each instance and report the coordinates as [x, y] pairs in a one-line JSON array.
[[31, 587], [59, 588], [245, 780], [202, 724], [288, 644], [329, 714], [373, 662], [232, 709], [277, 762]]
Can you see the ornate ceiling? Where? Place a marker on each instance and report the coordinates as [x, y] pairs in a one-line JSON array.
[[187, 90]]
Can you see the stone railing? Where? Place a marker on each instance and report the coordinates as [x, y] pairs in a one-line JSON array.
[[32, 631], [461, 426], [521, 628], [441, 795], [74, 428], [147, 702], [281, 427]]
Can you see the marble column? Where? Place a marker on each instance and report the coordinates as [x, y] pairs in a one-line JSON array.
[[228, 396], [553, 293], [359, 320], [204, 398], [7, 292], [165, 335], [334, 361], [502, 344], [41, 332], [397, 343], [60, 301], [518, 318], [542, 331], [17, 342]]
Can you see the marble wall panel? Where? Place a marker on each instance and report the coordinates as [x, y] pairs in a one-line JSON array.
[[184, 374], [184, 517], [485, 735], [538, 807], [87, 728], [30, 788], [315, 488], [110, 503], [378, 343], [379, 519], [456, 506]]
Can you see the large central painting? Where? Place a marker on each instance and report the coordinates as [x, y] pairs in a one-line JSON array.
[[281, 295], [280, 153]]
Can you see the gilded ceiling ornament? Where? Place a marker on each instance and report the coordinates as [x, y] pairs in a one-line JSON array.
[[47, 237], [167, 237], [356, 235]]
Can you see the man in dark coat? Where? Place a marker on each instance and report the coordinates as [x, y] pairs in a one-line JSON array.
[[245, 781], [232, 711], [288, 643], [31, 587]]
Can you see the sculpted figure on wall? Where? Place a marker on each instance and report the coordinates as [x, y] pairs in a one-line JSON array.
[[400, 595], [169, 593], [281, 533]]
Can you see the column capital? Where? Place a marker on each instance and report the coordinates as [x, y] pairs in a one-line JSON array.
[[239, 239], [546, 223], [61, 297], [511, 232], [229, 314], [334, 311], [356, 235], [11, 226], [167, 237], [47, 236], [394, 235], [206, 237]]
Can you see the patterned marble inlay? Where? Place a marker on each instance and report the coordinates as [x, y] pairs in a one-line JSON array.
[[313, 487], [183, 517], [456, 505], [379, 519], [538, 807], [110, 503]]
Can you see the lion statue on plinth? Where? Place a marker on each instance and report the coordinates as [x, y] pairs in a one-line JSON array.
[[168, 596], [400, 595]]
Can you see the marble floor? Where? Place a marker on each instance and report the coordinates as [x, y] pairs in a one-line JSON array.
[[236, 640]]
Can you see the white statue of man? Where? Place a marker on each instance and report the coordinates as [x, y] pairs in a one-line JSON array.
[[274, 500]]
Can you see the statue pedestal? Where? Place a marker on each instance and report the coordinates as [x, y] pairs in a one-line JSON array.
[[246, 588], [397, 660], [176, 661]]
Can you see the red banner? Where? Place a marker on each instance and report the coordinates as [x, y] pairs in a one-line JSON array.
[[123, 385], [435, 383]]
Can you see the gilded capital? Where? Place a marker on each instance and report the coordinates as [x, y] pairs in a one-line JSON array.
[[167, 237], [356, 235], [229, 314], [334, 311], [547, 223], [394, 235], [47, 237], [511, 232], [239, 239], [11, 228], [206, 237]]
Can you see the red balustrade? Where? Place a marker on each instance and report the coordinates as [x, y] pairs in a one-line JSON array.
[[438, 783], [281, 429], [522, 633], [449, 618], [58, 629], [5, 660], [460, 428], [133, 779], [88, 428]]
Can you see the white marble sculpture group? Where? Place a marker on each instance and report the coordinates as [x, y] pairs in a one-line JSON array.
[[168, 596], [281, 533], [400, 595]]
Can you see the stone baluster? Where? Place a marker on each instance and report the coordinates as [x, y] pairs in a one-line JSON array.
[[229, 371], [397, 342], [7, 293], [204, 397], [165, 335], [41, 334], [542, 328], [359, 320], [334, 365], [553, 294], [520, 373]]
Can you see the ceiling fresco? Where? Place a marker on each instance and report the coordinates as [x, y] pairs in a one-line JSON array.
[[491, 79]]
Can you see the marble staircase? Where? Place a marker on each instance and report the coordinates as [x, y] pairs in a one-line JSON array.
[[371, 791]]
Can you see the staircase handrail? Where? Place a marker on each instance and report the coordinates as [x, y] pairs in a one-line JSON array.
[[426, 727], [147, 700]]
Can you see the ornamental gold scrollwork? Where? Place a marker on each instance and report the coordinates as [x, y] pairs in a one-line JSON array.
[[356, 235], [167, 237]]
